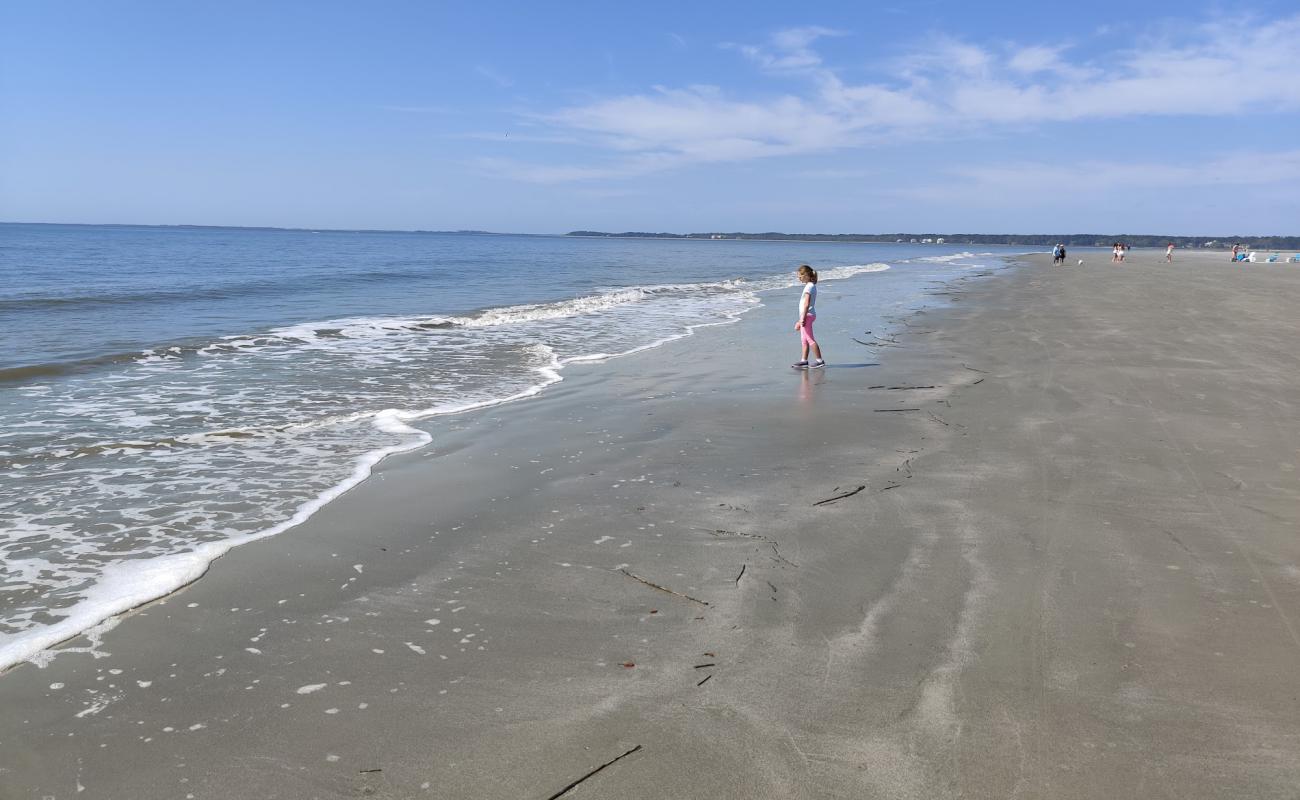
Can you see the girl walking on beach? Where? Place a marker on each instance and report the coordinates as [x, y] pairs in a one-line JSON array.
[[807, 314]]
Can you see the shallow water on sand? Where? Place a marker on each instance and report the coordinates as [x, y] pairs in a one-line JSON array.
[[166, 394]]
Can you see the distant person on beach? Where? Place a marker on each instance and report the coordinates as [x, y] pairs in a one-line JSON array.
[[1061, 254], [807, 315], [1056, 255], [1236, 248], [1123, 251], [1114, 253], [1169, 253]]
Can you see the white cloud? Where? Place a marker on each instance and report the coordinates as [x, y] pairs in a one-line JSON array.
[[1229, 169], [944, 88], [790, 50], [503, 81], [419, 109]]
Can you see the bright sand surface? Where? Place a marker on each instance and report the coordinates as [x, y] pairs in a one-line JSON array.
[[1071, 568]]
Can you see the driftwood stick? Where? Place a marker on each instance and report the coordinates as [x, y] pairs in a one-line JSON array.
[[701, 683], [742, 573], [612, 761], [879, 410], [719, 533], [839, 496], [981, 380], [702, 666], [653, 585]]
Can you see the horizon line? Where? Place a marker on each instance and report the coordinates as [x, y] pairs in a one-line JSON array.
[[580, 233]]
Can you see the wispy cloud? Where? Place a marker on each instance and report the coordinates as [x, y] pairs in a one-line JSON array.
[[789, 50], [418, 109], [1251, 168], [503, 81], [508, 137], [945, 88]]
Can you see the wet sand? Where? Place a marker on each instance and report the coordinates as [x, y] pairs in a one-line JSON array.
[[1041, 543]]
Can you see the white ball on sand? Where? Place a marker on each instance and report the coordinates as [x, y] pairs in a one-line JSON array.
[[1081, 262]]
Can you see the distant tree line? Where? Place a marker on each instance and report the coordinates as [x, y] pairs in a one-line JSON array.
[[1042, 240]]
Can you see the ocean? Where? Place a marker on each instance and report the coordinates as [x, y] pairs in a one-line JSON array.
[[169, 393]]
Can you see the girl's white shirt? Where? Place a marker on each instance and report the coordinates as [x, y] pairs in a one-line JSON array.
[[810, 289]]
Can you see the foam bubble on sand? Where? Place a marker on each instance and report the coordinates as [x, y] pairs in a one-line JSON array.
[[415, 648], [602, 540], [433, 622], [100, 703], [56, 686], [311, 687]]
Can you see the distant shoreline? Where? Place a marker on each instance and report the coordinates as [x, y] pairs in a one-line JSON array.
[[974, 239]]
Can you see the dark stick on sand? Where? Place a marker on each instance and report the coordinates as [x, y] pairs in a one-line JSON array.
[[742, 572], [706, 680], [878, 410], [840, 496], [571, 786], [653, 585], [981, 380], [972, 369]]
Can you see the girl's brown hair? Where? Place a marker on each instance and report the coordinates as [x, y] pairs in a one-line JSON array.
[[808, 272]]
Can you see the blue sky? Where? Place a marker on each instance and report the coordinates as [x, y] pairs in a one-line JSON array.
[[951, 117]]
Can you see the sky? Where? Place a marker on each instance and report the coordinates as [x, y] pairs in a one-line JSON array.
[[1171, 118]]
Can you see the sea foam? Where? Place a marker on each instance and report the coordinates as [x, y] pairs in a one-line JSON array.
[[128, 484]]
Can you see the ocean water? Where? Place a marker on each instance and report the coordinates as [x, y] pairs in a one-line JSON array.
[[169, 393]]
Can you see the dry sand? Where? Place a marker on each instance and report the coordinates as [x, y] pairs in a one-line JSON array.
[[1072, 571]]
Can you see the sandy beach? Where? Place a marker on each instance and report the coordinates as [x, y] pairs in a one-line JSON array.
[[1040, 542]]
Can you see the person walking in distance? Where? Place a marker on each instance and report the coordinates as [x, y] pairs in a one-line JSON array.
[[807, 315], [1169, 253]]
